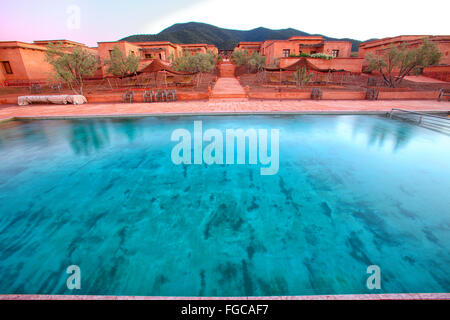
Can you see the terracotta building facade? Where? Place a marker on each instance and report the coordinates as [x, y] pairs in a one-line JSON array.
[[282, 53], [274, 50], [22, 62], [377, 47]]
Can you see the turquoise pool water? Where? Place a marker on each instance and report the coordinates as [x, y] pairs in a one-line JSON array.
[[351, 191]]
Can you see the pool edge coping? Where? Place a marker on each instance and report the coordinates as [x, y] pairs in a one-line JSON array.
[[387, 296], [191, 114]]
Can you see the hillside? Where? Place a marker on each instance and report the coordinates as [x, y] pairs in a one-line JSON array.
[[225, 39]]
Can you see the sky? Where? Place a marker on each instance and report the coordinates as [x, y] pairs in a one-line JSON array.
[[90, 21]]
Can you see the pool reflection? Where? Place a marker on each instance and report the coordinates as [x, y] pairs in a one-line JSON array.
[[88, 136]]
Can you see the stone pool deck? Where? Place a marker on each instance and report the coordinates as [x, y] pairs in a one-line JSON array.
[[400, 296], [219, 107]]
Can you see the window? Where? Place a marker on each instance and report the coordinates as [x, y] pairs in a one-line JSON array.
[[160, 56], [148, 56], [7, 67], [286, 53], [335, 53]]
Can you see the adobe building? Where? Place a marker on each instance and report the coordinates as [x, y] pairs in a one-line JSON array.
[[441, 71], [378, 47], [162, 50], [148, 51], [24, 62], [198, 48], [104, 51], [250, 46], [283, 53]]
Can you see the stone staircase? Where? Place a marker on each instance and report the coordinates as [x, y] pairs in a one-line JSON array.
[[227, 86], [227, 70]]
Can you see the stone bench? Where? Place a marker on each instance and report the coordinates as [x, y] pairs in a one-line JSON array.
[[54, 99]]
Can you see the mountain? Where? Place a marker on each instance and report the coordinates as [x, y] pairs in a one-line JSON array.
[[225, 39]]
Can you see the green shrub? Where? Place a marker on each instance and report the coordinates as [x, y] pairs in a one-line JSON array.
[[71, 67], [396, 62], [121, 65], [198, 63], [314, 55], [240, 57]]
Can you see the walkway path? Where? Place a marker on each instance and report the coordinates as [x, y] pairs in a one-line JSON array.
[[228, 87], [218, 106]]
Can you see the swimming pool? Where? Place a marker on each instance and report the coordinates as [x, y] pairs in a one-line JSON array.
[[103, 194]]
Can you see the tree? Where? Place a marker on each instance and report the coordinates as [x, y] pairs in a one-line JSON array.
[[121, 65], [71, 67], [198, 63], [171, 57], [240, 57], [301, 77], [402, 61], [256, 61]]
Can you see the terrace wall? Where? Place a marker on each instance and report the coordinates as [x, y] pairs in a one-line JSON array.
[[116, 96], [438, 72], [349, 64], [346, 95]]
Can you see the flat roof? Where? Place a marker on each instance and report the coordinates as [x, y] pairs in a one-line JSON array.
[[153, 43], [394, 39], [193, 44], [250, 42], [305, 38], [20, 44], [60, 40]]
